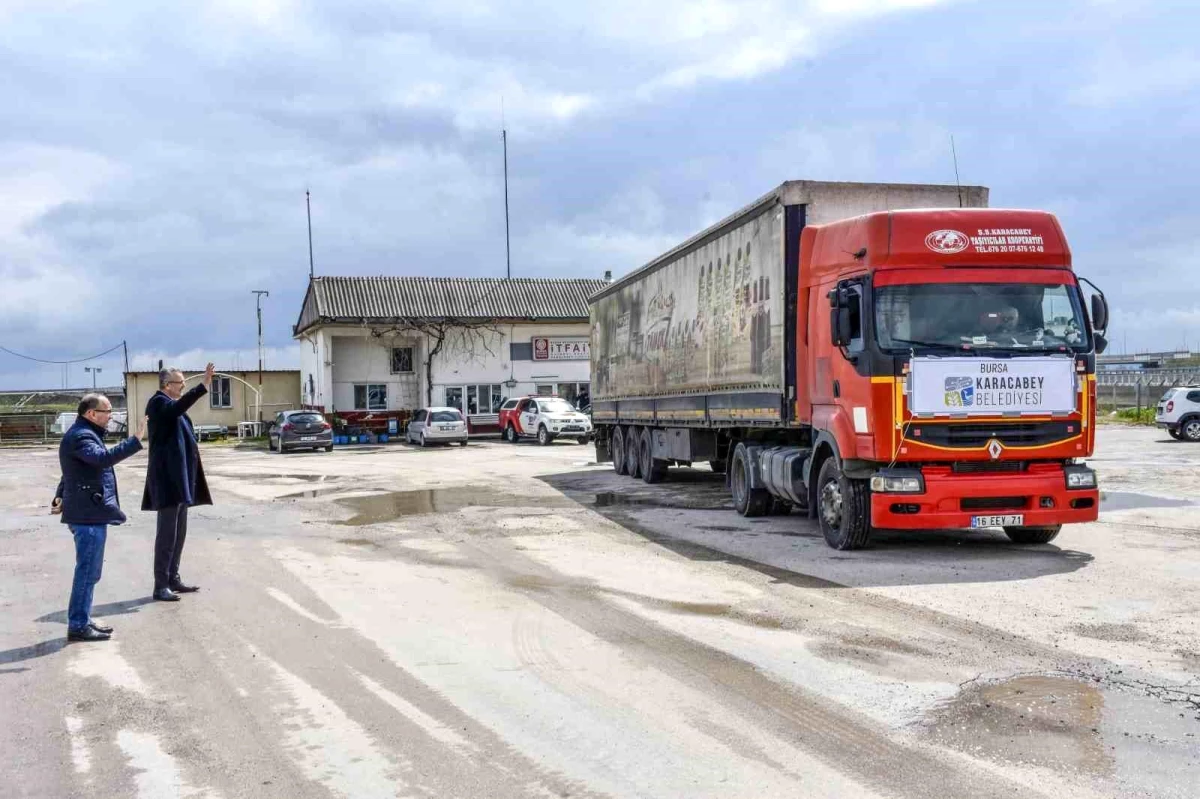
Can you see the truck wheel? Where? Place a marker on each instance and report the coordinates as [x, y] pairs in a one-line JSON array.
[[718, 467], [1190, 430], [510, 434], [1032, 535], [748, 501], [617, 444], [633, 464], [653, 471], [544, 438], [843, 508]]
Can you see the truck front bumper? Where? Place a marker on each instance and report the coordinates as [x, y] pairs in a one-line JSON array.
[[951, 500]]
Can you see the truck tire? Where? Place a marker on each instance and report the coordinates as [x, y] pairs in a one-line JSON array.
[[718, 467], [1032, 535], [617, 446], [843, 508], [653, 471], [633, 464], [1190, 429], [748, 501]]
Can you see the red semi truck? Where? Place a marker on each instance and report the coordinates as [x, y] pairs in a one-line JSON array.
[[894, 369]]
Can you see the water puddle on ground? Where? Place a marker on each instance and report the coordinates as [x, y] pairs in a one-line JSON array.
[[398, 504], [1043, 720], [608, 499], [1129, 500], [313, 493]]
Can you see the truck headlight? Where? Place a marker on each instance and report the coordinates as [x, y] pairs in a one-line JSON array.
[[898, 481], [1080, 477]]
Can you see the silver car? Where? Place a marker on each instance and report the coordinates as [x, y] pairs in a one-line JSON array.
[[437, 425], [300, 430]]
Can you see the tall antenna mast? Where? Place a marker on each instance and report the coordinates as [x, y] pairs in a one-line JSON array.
[[957, 184], [507, 246], [308, 209]]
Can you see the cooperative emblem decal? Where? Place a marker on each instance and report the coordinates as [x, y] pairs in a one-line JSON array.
[[959, 392], [947, 242]]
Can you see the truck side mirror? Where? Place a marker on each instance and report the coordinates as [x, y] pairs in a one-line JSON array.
[[839, 326], [1099, 313], [1101, 343]]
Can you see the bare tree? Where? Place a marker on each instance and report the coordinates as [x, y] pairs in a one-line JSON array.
[[470, 337]]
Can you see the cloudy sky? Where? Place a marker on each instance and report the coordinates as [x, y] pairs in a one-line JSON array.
[[153, 163]]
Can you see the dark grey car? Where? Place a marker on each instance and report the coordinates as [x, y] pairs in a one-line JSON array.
[[300, 430]]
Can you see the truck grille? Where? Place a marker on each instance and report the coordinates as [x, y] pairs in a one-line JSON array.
[[993, 503], [1016, 434], [988, 467]]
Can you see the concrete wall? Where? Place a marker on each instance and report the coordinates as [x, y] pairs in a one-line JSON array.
[[356, 357], [281, 391]]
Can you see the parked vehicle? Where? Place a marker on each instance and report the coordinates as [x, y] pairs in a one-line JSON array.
[[300, 429], [437, 426], [1178, 413], [907, 369], [117, 423], [543, 418]]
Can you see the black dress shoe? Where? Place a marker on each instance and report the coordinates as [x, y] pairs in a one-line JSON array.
[[166, 595], [87, 634], [179, 588], [100, 628]]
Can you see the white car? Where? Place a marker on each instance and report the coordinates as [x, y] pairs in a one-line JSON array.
[[548, 418], [1179, 413], [437, 426]]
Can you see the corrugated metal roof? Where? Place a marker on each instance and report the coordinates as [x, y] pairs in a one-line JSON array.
[[450, 297]]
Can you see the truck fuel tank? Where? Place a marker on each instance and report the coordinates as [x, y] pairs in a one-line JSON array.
[[781, 470]]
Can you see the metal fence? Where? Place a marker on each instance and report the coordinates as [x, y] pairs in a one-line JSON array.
[[27, 428], [1139, 388]]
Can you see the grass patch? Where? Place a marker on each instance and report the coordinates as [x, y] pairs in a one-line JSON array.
[[1133, 416]]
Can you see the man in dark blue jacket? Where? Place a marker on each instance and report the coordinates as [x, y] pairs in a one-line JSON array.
[[87, 498], [174, 476]]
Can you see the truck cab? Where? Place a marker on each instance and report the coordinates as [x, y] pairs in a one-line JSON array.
[[953, 383]]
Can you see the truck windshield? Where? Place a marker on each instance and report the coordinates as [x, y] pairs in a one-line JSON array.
[[954, 316]]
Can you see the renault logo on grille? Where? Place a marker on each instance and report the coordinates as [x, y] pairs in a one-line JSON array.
[[994, 449]]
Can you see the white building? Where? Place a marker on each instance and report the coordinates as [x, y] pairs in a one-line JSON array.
[[381, 347]]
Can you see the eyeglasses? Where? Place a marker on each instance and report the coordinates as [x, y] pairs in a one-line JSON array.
[[175, 382], [102, 410]]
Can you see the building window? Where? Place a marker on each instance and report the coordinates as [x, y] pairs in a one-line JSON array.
[[454, 397], [484, 398], [544, 390], [221, 393], [370, 397], [402, 360], [578, 394]]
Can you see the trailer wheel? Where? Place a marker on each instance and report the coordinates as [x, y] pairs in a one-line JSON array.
[[843, 508], [653, 471], [1032, 535], [748, 501], [633, 464], [617, 444], [718, 467]]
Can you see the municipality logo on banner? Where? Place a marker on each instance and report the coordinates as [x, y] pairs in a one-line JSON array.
[[960, 391]]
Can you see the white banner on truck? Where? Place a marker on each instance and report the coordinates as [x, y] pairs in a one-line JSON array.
[[978, 386]]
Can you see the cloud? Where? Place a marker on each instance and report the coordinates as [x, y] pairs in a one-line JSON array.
[[153, 167]]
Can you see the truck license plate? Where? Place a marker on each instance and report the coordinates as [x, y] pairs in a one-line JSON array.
[[308, 438], [1014, 520]]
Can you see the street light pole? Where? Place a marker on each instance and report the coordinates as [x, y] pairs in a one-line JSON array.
[[258, 295], [94, 370]]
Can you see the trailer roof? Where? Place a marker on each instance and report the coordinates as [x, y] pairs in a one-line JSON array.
[[882, 196]]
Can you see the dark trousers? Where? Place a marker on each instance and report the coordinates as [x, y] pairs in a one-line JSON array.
[[168, 545]]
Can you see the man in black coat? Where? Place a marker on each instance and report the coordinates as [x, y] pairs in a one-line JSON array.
[[174, 476], [88, 501]]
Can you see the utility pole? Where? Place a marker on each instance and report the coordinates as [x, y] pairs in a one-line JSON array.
[[94, 370], [258, 295], [504, 141], [308, 209]]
